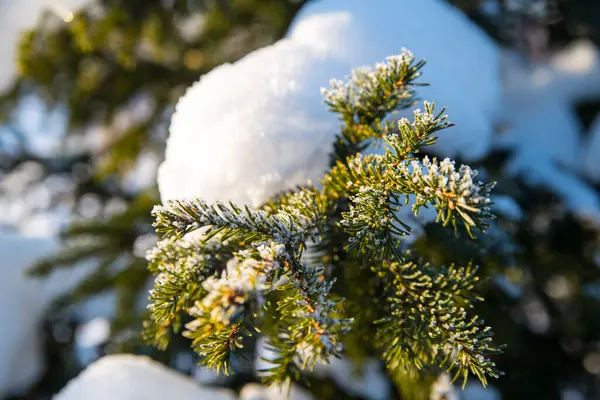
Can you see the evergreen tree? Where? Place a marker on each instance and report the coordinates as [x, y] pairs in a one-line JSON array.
[[109, 59]]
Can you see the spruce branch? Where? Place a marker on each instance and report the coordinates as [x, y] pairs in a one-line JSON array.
[[364, 101], [258, 274], [453, 193], [310, 326], [222, 317], [180, 266], [240, 293], [378, 185], [428, 321], [178, 217], [296, 217], [412, 136]]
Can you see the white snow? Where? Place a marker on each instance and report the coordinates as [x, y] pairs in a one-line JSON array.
[[125, 377], [453, 46], [542, 130], [416, 222], [250, 129], [93, 333], [263, 355], [35, 205], [24, 300], [443, 389], [207, 376], [20, 348], [369, 383], [254, 391]]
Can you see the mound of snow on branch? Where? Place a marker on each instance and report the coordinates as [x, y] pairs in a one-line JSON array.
[[454, 48], [250, 129], [125, 377]]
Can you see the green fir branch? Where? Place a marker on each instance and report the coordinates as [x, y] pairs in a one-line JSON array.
[[290, 223], [245, 272], [365, 100], [428, 321]]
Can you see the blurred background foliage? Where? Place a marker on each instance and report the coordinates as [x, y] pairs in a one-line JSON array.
[[115, 68]]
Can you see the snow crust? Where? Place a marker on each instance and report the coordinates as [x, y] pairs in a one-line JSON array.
[[125, 377], [248, 130]]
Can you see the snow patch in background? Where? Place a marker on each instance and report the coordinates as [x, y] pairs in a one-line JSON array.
[[370, 382], [93, 333], [254, 391], [126, 377], [542, 130], [88, 337], [507, 207], [591, 149], [24, 302], [442, 388], [474, 391]]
